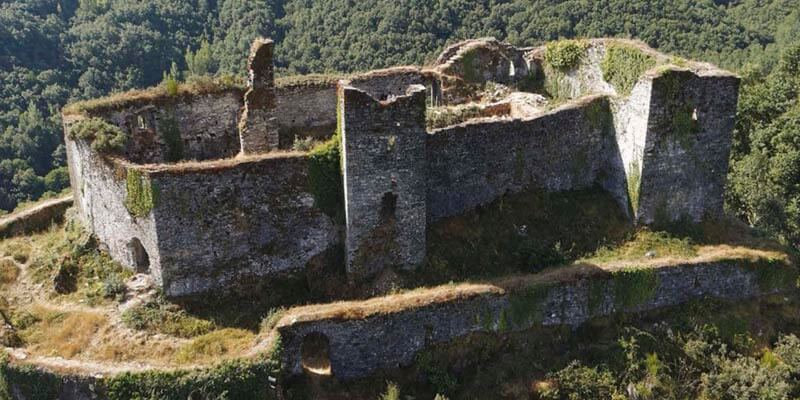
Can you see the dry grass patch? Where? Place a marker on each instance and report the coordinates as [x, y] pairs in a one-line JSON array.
[[63, 334], [17, 248], [215, 346], [9, 272]]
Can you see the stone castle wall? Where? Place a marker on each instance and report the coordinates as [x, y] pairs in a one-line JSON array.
[[204, 127], [100, 188], [472, 164], [305, 111], [223, 227], [362, 345], [662, 151]]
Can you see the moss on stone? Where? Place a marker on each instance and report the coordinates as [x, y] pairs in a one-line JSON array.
[[597, 289], [634, 286], [142, 194], [623, 65], [564, 54], [105, 138]]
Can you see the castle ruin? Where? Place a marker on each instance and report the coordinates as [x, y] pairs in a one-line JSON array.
[[206, 194]]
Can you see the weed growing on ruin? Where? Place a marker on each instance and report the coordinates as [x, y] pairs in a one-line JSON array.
[[623, 65], [441, 117], [643, 244], [392, 392], [35, 383], [634, 180], [105, 138], [160, 316], [633, 286], [565, 54], [142, 194]]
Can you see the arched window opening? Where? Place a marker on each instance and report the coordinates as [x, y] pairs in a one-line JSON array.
[[141, 261], [315, 354]]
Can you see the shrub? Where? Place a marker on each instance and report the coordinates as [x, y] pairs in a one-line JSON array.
[[564, 54], [392, 392], [745, 378], [105, 138], [57, 179], [160, 316], [577, 381], [623, 65]]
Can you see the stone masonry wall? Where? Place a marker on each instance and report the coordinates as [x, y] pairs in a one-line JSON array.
[[361, 346], [226, 228], [305, 111], [385, 83], [384, 179], [689, 133], [181, 128], [475, 163], [100, 190]]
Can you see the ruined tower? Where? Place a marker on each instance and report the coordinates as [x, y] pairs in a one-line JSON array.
[[384, 167]]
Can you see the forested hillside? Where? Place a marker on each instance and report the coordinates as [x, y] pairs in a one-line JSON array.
[[56, 51]]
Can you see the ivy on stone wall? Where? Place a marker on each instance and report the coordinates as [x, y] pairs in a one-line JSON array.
[[33, 383], [171, 134], [142, 194], [105, 138], [634, 286], [623, 65], [527, 305], [325, 177]]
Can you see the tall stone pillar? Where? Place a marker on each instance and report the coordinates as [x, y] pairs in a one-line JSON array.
[[258, 128]]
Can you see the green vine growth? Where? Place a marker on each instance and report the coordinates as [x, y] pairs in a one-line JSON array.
[[325, 173], [142, 194], [105, 138], [623, 65], [563, 55], [634, 286], [171, 134], [634, 181]]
